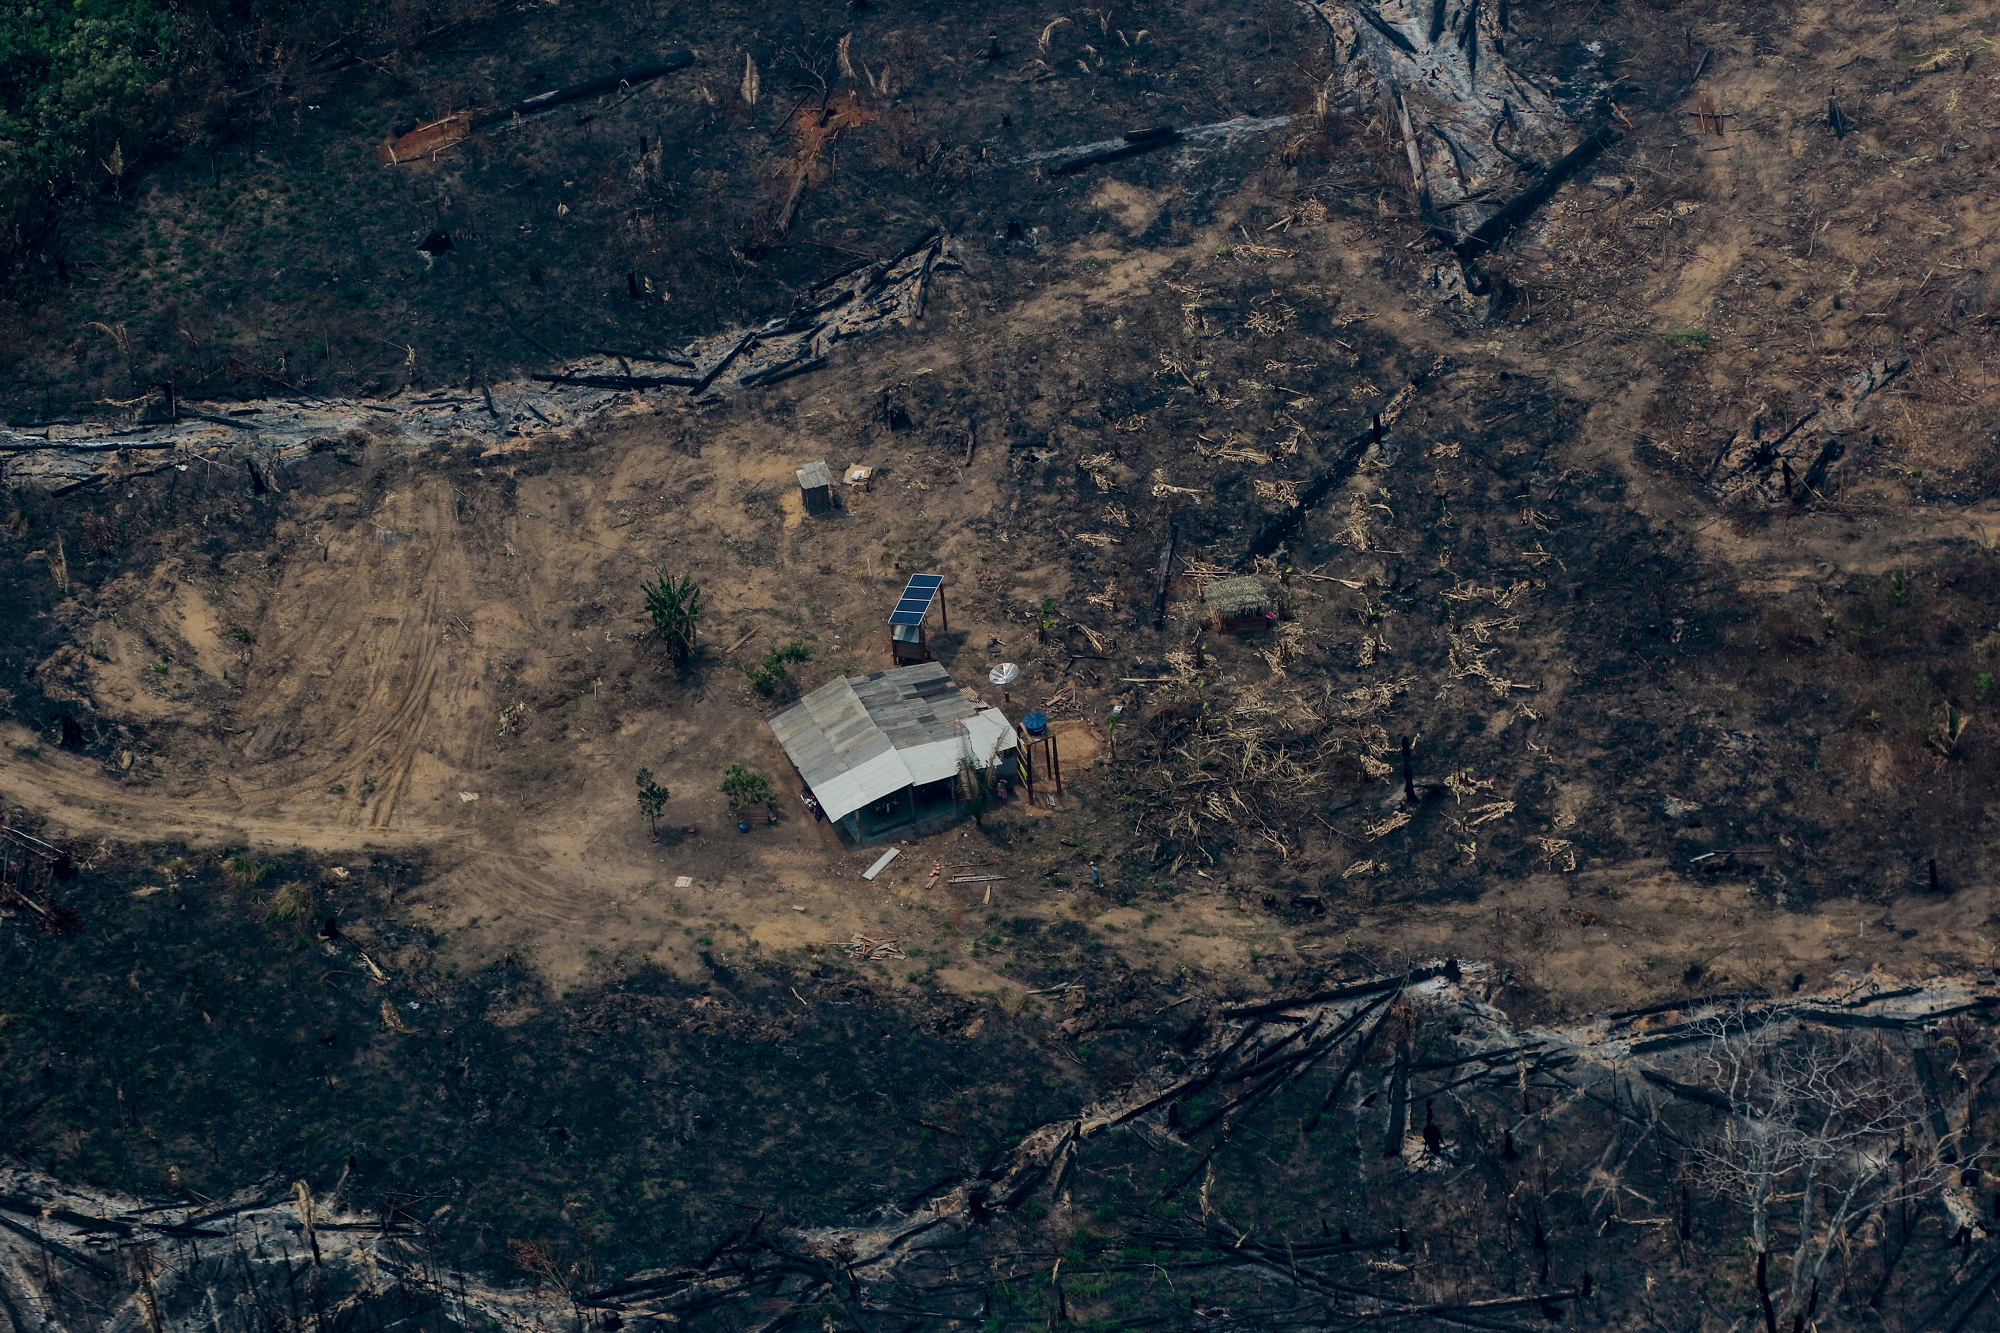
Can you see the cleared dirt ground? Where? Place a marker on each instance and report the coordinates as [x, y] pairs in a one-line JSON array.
[[448, 654]]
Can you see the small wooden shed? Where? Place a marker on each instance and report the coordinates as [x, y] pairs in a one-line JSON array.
[[1240, 605], [909, 636], [816, 485]]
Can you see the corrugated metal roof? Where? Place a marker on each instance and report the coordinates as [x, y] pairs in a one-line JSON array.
[[815, 475], [857, 739], [1239, 595], [990, 732]]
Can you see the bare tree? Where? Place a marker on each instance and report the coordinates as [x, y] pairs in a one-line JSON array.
[[1823, 1132]]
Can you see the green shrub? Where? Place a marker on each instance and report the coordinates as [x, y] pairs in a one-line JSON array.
[[91, 88], [243, 869], [744, 788], [83, 86], [770, 673]]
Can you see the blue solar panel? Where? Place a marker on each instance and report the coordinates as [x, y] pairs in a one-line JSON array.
[[915, 603]]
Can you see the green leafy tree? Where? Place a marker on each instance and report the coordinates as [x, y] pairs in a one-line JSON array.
[[744, 788], [769, 674], [975, 786], [83, 87], [652, 798], [675, 608]]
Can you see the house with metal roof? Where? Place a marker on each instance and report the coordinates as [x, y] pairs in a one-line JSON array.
[[882, 754]]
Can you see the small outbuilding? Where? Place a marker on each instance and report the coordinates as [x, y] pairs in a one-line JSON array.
[[909, 623], [816, 486], [1240, 605], [882, 755]]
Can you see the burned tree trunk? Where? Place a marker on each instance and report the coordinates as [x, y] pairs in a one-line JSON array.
[[1798, 464], [1487, 143]]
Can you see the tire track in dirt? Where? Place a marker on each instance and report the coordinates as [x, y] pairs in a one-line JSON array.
[[395, 694], [398, 738], [405, 705], [505, 883], [402, 702], [76, 795]]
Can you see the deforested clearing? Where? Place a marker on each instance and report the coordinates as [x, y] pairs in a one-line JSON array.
[[878, 666]]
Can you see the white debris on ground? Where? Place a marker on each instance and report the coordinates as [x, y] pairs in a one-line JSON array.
[[1475, 128], [1187, 142]]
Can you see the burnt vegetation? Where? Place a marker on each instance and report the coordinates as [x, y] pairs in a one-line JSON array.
[[1551, 532], [1383, 1150], [292, 1026]]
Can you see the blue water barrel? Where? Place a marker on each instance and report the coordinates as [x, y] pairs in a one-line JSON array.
[[1035, 724]]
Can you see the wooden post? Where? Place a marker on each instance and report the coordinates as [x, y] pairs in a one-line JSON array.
[[1055, 760], [944, 616]]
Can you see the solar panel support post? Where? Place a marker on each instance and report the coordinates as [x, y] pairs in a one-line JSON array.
[[944, 616], [912, 611]]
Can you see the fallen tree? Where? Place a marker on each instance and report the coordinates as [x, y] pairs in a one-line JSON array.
[[1486, 143], [1536, 1169], [434, 137], [270, 433]]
